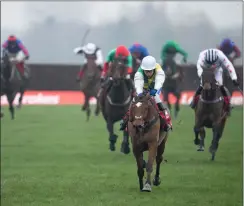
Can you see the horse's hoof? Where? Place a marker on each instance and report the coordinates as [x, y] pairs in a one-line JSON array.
[[196, 141], [156, 181], [125, 148], [213, 156], [200, 149], [147, 188], [112, 147]]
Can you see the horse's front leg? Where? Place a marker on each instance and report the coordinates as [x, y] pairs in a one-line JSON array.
[[97, 111], [140, 170], [152, 152], [10, 97], [22, 91], [177, 104], [88, 109], [215, 141], [196, 132], [112, 137], [202, 138], [85, 105], [159, 159], [125, 148]]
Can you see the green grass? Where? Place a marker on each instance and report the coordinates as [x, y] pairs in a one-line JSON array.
[[51, 156]]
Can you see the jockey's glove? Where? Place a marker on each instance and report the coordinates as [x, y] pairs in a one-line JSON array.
[[153, 92], [235, 82]]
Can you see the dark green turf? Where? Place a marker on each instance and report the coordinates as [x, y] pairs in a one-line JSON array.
[[51, 156]]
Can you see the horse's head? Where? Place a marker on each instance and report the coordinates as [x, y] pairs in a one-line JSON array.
[[6, 66], [140, 110], [208, 79], [209, 84], [119, 68], [92, 70]]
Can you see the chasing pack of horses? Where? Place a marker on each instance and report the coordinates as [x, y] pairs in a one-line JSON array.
[[144, 131], [145, 127]]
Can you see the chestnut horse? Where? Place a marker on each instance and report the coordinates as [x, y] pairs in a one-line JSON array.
[[146, 131]]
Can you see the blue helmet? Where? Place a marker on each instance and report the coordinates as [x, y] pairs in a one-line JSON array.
[[227, 42]]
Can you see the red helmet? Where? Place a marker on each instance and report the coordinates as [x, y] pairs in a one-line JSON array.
[[12, 38], [122, 51]]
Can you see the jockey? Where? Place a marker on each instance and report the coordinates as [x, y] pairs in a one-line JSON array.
[[88, 50], [16, 49], [217, 60], [150, 76], [228, 47], [170, 49], [139, 52], [120, 52]]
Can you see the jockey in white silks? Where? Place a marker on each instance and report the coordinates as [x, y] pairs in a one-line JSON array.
[[89, 49], [215, 59]]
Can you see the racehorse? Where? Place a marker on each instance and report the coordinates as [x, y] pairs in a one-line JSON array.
[[11, 81], [115, 102], [174, 77], [146, 131], [90, 84], [210, 112]]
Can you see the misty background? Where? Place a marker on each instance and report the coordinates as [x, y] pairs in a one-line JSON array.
[[51, 30]]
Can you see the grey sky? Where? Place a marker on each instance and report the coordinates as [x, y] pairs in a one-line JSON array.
[[18, 15]]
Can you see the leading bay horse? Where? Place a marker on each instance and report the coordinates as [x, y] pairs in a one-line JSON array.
[[210, 112], [90, 84], [146, 131], [115, 101]]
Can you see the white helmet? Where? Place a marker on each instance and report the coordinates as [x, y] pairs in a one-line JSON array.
[[90, 48], [148, 63]]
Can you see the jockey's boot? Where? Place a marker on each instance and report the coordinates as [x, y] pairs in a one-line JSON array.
[[225, 92], [124, 121], [165, 115], [195, 97]]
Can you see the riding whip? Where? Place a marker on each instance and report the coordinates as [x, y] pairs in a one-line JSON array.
[[85, 35]]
